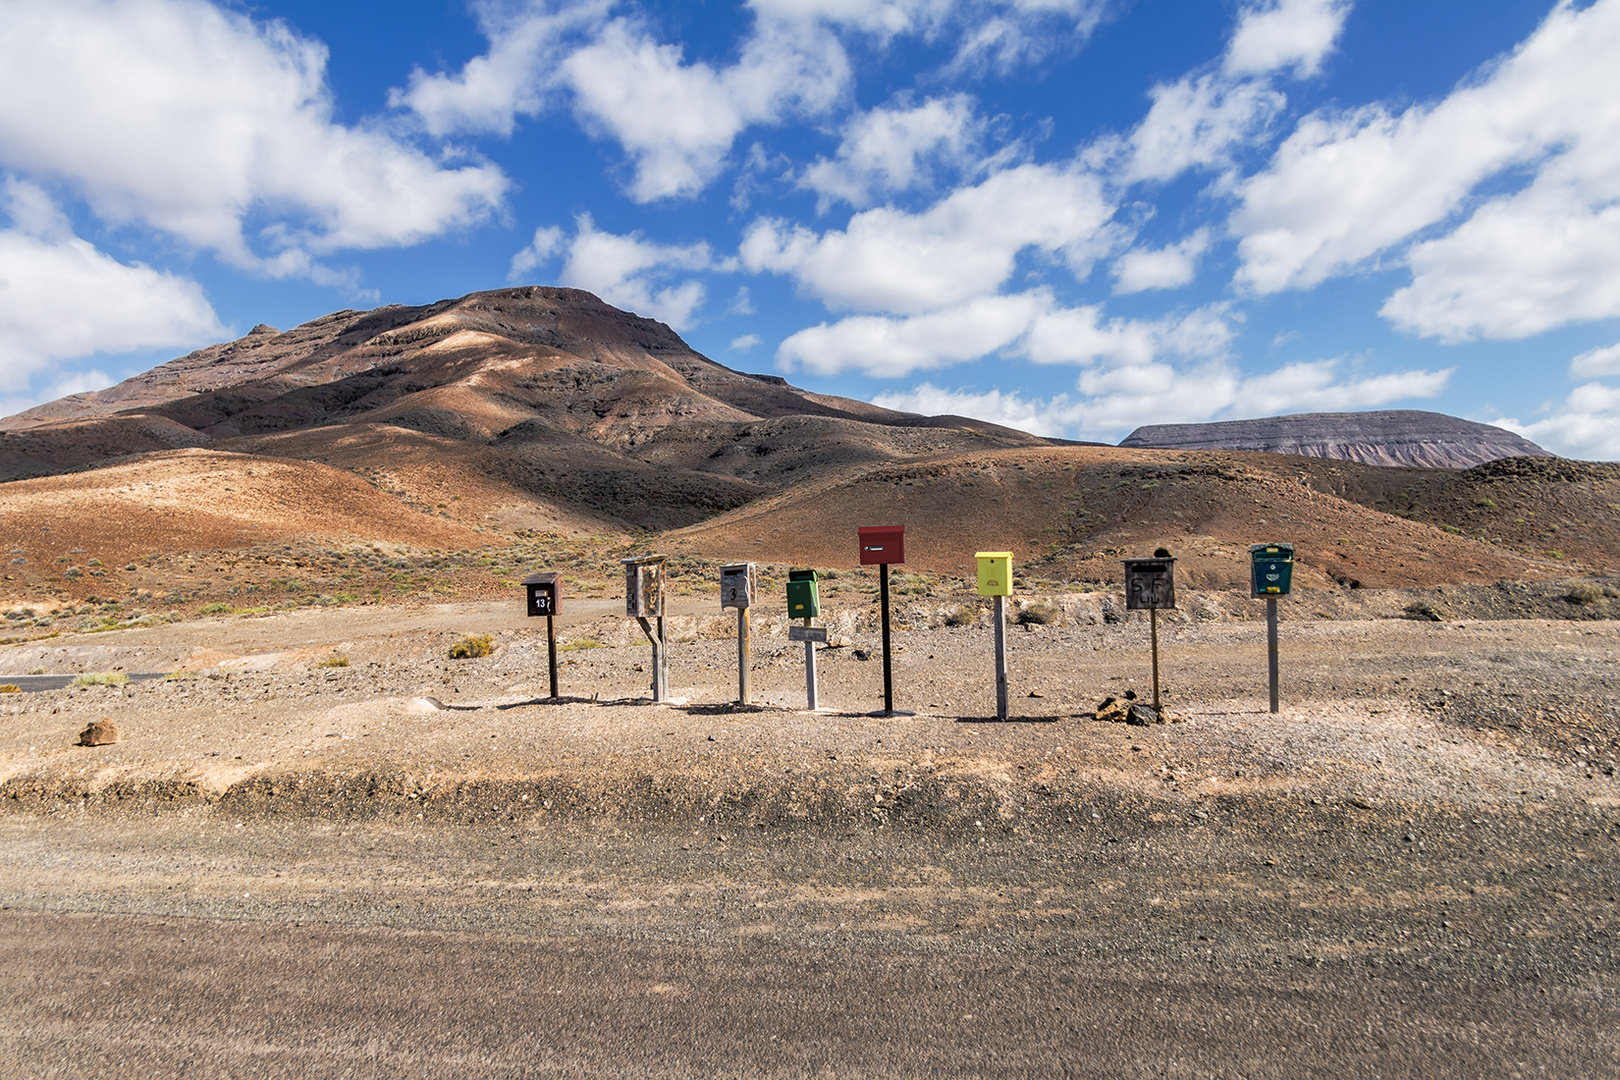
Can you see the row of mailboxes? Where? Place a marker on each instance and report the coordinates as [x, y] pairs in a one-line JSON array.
[[1149, 583]]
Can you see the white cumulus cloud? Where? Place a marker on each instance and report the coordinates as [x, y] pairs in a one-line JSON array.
[[1168, 267], [1195, 122], [678, 120], [61, 299], [1585, 426], [1347, 187], [177, 115], [1595, 363], [1285, 34], [1111, 400], [638, 275], [964, 247], [889, 150]]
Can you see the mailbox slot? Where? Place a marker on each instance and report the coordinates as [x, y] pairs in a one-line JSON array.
[[1150, 584], [995, 573], [737, 586], [545, 590], [882, 544], [803, 594], [1271, 569], [644, 586]]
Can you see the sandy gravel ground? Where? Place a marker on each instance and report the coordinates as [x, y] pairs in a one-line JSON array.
[[1418, 853]]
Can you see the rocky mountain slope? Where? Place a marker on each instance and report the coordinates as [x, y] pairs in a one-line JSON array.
[[542, 403], [444, 450], [1392, 437]]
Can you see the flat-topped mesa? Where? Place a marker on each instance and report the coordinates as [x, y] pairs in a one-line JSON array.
[[1397, 437]]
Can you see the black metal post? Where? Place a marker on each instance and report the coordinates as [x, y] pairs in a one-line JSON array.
[[888, 680], [551, 650]]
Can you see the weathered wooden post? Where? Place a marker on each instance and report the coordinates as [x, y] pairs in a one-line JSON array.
[[995, 579], [1150, 584], [644, 601], [737, 591]]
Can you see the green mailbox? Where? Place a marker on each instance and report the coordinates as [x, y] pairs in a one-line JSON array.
[[803, 594], [1272, 569]]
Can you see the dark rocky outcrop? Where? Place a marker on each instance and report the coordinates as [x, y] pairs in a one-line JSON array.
[[1405, 437]]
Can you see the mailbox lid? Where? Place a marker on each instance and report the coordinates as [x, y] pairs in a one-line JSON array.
[[882, 544], [737, 585], [995, 573]]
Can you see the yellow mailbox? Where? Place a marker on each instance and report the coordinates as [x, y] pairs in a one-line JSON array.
[[995, 573]]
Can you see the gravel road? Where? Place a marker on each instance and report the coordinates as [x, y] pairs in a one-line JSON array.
[[284, 868]]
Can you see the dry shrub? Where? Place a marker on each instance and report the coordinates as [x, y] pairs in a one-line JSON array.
[[1584, 593], [471, 646], [1040, 613], [961, 615]]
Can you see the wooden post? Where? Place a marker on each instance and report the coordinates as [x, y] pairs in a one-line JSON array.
[[888, 680], [810, 670], [1153, 619], [744, 656], [1271, 646], [1001, 658], [661, 664], [551, 651], [660, 672]]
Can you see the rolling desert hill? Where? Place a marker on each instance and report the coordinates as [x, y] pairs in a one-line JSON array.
[[1390, 437], [532, 404], [439, 450]]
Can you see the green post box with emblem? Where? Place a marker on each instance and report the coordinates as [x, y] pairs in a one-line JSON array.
[[1272, 569], [803, 594]]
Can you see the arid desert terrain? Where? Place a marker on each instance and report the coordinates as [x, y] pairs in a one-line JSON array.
[[322, 845]]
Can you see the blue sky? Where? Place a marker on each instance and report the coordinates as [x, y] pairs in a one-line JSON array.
[[1072, 216]]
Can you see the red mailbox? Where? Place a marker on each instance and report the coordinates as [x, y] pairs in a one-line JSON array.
[[882, 544]]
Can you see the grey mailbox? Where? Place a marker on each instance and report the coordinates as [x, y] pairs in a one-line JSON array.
[[737, 586], [1150, 584]]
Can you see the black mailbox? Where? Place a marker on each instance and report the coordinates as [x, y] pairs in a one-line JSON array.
[[544, 592]]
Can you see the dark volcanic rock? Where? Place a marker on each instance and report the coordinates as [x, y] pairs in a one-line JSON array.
[[1393, 437]]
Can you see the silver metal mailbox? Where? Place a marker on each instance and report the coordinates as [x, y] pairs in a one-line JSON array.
[[737, 586]]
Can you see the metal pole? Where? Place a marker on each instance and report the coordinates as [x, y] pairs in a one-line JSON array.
[[1153, 619], [1271, 646], [661, 664], [888, 681], [551, 650], [1001, 659], [810, 671], [744, 656]]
